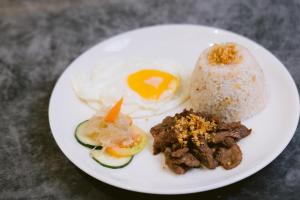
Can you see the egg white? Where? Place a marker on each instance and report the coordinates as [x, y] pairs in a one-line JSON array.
[[107, 82]]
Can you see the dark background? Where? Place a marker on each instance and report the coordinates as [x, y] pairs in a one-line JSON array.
[[38, 39]]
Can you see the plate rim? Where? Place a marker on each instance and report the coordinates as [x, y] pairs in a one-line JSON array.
[[223, 183]]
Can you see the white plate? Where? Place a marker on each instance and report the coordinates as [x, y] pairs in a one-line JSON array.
[[273, 128]]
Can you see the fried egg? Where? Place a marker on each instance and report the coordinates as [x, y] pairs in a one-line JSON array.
[[148, 88]]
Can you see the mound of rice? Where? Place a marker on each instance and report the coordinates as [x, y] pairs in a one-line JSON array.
[[228, 82]]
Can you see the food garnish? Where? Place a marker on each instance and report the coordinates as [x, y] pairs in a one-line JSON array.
[[223, 54], [113, 138], [129, 149], [113, 114], [191, 126]]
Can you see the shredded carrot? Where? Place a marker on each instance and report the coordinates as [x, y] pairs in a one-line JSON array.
[[113, 113]]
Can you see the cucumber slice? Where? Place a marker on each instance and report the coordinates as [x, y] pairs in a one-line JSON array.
[[129, 151], [109, 161], [83, 139]]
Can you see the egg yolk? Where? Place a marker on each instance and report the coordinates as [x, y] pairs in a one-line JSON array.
[[152, 84]]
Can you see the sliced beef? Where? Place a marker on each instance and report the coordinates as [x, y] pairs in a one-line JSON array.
[[216, 147], [219, 137], [228, 142], [180, 161], [234, 130], [163, 135], [179, 152], [229, 157], [227, 126], [188, 160], [236, 127], [169, 160], [205, 154], [242, 130]]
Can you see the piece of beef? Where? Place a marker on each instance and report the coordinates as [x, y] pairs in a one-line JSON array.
[[242, 130], [188, 160], [163, 135], [180, 161], [219, 137], [204, 154], [179, 152], [222, 126], [234, 130], [237, 127], [178, 169], [229, 157], [228, 142]]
